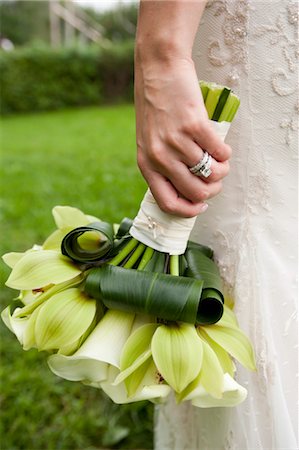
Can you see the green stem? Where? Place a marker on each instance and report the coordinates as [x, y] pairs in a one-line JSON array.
[[234, 109], [212, 99], [124, 252], [204, 86], [174, 265], [135, 256], [147, 255]]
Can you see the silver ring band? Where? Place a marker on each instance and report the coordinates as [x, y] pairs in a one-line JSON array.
[[203, 167]]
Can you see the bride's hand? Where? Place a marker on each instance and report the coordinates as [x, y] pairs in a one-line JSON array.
[[172, 131]]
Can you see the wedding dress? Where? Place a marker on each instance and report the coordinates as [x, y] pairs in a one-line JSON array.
[[251, 45]]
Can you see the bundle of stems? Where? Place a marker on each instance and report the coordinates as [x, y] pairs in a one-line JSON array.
[[203, 295], [118, 315]]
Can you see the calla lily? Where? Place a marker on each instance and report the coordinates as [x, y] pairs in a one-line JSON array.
[[102, 347], [41, 268], [63, 319], [233, 394], [151, 387], [177, 352]]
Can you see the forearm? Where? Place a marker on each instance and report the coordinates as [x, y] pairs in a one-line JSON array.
[[166, 29]]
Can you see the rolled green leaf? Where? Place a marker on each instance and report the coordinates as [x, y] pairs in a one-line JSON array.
[[167, 297], [202, 267], [124, 227], [72, 248]]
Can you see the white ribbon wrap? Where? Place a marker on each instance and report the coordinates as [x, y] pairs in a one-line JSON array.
[[161, 231]]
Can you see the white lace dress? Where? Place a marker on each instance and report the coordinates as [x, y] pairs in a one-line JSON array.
[[252, 46]]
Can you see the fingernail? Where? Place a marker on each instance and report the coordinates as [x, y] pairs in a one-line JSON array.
[[204, 207]]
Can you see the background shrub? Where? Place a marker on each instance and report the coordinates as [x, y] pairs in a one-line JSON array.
[[37, 79]]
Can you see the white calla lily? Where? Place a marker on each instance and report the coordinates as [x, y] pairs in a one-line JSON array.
[[41, 268], [233, 394], [102, 347]]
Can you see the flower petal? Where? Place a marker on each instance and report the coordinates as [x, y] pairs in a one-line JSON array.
[[102, 347], [151, 391], [69, 217], [224, 358], [63, 318], [235, 342], [41, 268], [177, 352], [233, 394], [53, 242], [12, 258]]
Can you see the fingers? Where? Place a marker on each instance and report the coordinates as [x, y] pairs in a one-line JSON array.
[[195, 154], [204, 135], [190, 186], [168, 200]]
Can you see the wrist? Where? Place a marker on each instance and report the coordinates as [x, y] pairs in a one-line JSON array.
[[160, 50]]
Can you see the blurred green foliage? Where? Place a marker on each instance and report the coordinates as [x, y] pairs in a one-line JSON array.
[[27, 22], [36, 79], [24, 22], [83, 158], [118, 23]]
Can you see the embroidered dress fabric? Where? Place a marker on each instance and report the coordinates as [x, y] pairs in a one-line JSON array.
[[252, 46]]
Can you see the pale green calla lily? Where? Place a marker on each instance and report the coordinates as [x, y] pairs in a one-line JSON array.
[[233, 394], [102, 347], [63, 319], [150, 389], [177, 353], [234, 341], [41, 268]]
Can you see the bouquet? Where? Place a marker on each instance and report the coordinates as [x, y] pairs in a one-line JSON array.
[[134, 309]]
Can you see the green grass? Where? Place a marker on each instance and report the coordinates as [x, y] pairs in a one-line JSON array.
[[83, 158]]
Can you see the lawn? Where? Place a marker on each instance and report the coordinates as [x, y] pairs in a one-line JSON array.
[[83, 158]]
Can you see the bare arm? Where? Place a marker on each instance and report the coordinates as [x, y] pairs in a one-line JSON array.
[[171, 121]]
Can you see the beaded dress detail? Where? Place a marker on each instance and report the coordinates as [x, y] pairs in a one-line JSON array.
[[252, 46]]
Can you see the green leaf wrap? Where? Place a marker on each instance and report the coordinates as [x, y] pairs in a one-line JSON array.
[[167, 297], [124, 227], [202, 267], [70, 246]]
